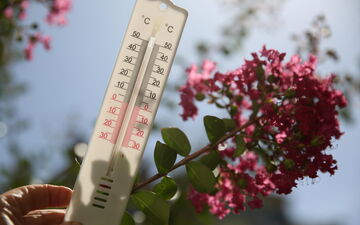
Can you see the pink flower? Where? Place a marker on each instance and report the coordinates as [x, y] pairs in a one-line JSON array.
[[57, 14], [280, 137], [235, 183], [195, 85], [8, 12], [24, 4], [33, 41], [22, 15], [187, 102], [28, 51], [45, 40]]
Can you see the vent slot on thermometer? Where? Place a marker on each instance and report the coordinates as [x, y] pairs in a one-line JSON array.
[[131, 100]]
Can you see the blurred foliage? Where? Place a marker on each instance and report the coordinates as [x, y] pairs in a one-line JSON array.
[[244, 16], [18, 169]]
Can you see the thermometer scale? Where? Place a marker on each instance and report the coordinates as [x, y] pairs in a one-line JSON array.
[[131, 100]]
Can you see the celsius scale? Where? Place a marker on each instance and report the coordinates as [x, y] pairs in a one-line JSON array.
[[126, 116]]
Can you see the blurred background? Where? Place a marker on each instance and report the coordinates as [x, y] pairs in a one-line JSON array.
[[48, 106]]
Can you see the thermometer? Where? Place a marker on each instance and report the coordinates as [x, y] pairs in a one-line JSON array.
[[123, 126]]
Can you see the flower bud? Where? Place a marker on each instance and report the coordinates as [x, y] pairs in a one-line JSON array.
[[34, 26]]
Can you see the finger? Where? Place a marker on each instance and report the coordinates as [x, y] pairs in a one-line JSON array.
[[44, 217], [33, 197]]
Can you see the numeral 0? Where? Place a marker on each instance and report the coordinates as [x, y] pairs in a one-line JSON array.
[[146, 106]]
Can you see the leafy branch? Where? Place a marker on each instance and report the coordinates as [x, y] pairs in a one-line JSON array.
[[194, 155]]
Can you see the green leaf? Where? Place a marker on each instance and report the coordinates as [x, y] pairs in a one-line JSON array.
[[2, 47], [200, 96], [127, 219], [229, 94], [164, 157], [153, 206], [270, 167], [233, 110], [229, 124], [242, 183], [260, 74], [167, 188], [290, 93], [200, 176], [289, 164], [177, 140], [219, 105], [211, 160], [316, 141], [240, 145], [272, 79], [215, 128]]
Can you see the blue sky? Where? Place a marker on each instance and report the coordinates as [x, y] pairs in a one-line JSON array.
[[66, 85]]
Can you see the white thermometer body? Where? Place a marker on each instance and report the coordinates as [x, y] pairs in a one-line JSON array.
[[131, 100]]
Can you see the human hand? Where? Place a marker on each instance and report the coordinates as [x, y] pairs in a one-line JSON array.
[[29, 205]]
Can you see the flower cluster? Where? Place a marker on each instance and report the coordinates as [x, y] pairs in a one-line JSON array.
[[17, 11], [33, 41], [293, 115], [235, 185], [58, 11]]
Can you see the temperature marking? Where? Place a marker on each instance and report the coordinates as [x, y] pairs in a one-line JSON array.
[[123, 136]]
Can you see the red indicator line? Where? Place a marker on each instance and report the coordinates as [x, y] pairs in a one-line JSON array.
[[129, 131]]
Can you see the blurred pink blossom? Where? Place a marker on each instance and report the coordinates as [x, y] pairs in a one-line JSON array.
[[9, 12]]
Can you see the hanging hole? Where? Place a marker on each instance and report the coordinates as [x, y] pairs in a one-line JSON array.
[[163, 6]]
